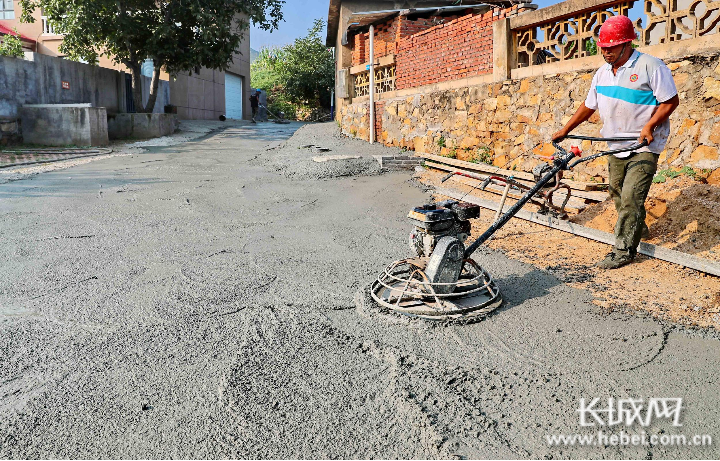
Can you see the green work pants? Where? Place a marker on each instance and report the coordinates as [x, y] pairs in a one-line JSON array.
[[630, 181]]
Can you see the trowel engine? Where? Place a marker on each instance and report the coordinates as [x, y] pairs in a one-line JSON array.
[[439, 284], [439, 234], [444, 219]]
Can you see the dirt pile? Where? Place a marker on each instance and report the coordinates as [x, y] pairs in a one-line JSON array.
[[294, 157], [682, 214]]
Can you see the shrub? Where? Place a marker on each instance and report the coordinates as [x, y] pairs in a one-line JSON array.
[[11, 46]]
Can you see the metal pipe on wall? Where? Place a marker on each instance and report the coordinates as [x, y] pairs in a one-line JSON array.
[[372, 84]]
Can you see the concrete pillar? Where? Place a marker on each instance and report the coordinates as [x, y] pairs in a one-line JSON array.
[[343, 57], [503, 50]]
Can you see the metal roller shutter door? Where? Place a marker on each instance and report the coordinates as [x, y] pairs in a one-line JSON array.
[[233, 96]]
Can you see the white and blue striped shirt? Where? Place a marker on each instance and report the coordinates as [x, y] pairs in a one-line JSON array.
[[627, 101]]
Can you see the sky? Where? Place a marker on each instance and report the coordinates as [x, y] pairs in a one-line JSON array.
[[300, 14]]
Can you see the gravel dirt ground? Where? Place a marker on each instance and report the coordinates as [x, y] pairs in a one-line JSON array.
[[208, 300]]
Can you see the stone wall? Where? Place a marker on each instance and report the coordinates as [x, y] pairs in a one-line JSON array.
[[511, 122], [64, 125]]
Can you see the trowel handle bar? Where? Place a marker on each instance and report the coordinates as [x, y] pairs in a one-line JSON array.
[[560, 163], [635, 146], [590, 138]]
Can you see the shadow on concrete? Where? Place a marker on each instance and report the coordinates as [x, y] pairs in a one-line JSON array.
[[517, 289]]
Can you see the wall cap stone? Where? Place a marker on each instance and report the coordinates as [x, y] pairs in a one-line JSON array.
[[558, 11], [381, 62]]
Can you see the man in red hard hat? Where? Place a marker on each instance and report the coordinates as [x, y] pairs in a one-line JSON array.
[[635, 95]]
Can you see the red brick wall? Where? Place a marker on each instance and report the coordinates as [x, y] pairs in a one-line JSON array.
[[358, 51], [456, 49], [386, 37], [427, 52]]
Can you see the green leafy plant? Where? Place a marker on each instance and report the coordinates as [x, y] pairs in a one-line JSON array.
[[288, 109], [482, 155], [301, 74], [178, 36], [664, 175], [441, 141], [11, 46], [591, 47], [353, 133]]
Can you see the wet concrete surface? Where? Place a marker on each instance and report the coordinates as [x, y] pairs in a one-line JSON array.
[[206, 300]]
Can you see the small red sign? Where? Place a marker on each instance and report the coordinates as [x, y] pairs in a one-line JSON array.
[[65, 85]]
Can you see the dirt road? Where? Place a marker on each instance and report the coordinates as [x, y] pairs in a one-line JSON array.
[[205, 300]]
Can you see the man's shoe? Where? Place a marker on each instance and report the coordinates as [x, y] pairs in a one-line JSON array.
[[613, 260]]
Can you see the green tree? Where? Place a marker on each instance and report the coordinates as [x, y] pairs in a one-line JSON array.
[[308, 68], [301, 73], [178, 35], [591, 47], [264, 72], [11, 45]]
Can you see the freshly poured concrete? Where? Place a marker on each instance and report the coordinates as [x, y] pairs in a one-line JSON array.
[[206, 300]]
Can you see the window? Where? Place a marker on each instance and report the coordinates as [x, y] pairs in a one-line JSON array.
[[47, 26], [7, 11]]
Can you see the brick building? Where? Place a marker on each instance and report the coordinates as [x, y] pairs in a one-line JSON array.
[[428, 43]]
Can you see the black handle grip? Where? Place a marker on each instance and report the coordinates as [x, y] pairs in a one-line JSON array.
[[590, 138]]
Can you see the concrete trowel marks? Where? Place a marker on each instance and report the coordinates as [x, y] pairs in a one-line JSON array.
[[302, 388], [212, 315]]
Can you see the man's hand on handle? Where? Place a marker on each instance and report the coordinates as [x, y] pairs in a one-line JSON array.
[[663, 112], [581, 115], [646, 134], [560, 135]]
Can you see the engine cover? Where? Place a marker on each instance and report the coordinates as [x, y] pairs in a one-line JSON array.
[[432, 218], [445, 264], [448, 218]]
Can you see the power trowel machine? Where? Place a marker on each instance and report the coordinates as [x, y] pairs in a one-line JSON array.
[[442, 282]]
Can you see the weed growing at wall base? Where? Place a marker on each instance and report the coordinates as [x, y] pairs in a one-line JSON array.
[[483, 155], [664, 175]]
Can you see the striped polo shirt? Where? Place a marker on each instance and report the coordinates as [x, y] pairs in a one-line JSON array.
[[628, 100]]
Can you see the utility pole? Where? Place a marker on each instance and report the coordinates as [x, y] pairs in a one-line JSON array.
[[372, 84]]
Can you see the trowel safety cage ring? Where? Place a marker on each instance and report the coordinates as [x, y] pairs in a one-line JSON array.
[[460, 283], [417, 287]]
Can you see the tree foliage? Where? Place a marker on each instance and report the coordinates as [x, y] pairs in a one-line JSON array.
[[301, 73], [178, 35], [11, 45]]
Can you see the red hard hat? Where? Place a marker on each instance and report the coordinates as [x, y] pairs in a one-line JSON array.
[[616, 31]]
